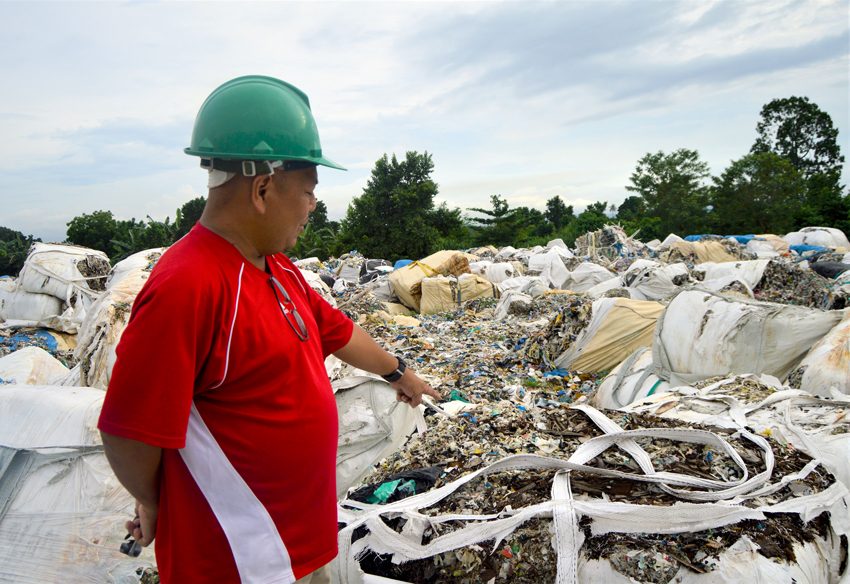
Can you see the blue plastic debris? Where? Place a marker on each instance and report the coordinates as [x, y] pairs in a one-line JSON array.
[[801, 249], [556, 373], [401, 264]]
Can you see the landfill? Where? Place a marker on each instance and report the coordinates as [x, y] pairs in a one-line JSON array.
[[669, 411]]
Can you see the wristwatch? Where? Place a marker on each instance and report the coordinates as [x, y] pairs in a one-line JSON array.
[[399, 371]]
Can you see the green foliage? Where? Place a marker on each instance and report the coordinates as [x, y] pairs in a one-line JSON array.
[[188, 215], [395, 216], [799, 131], [14, 247], [591, 219], [558, 213], [135, 236], [672, 188], [760, 193], [632, 209], [502, 225], [93, 230]]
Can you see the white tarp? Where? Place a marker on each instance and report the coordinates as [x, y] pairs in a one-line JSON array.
[[631, 380], [586, 276], [826, 369], [372, 425], [31, 366], [62, 511], [702, 335], [761, 248]]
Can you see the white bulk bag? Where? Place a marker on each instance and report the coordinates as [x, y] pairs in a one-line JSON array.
[[586, 276], [631, 380], [651, 280], [532, 285], [505, 253], [316, 283], [617, 327], [139, 264], [372, 425], [52, 269], [822, 236], [717, 276], [549, 266], [762, 248], [63, 511], [826, 369], [498, 273], [702, 335], [31, 366], [17, 304]]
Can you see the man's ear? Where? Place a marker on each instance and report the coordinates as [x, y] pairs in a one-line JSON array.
[[259, 187]]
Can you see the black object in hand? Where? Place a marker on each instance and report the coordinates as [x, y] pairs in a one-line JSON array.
[[130, 546]]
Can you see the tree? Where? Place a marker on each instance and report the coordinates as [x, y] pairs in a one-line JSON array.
[[632, 209], [591, 219], [94, 230], [502, 225], [395, 216], [798, 130], [760, 193], [558, 213], [672, 188], [14, 248], [188, 215]]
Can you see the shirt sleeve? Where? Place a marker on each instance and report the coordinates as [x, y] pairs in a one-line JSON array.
[[159, 357]]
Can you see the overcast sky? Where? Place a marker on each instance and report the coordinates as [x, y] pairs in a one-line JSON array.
[[524, 99]]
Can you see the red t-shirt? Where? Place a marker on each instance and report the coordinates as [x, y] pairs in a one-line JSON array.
[[209, 369]]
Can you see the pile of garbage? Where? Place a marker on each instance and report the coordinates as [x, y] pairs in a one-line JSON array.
[[617, 412]]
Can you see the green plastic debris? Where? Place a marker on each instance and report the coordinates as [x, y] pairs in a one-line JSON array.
[[456, 395], [383, 492]]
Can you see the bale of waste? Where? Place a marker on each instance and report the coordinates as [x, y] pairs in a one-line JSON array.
[[407, 281], [702, 334], [505, 253], [31, 366], [549, 266], [697, 252], [585, 276], [609, 242], [315, 282], [531, 285], [617, 327], [494, 272], [17, 304], [820, 237], [372, 425], [825, 370], [593, 336], [650, 280], [108, 317], [447, 293], [572, 495], [63, 511], [718, 276], [630, 381], [668, 241], [64, 270]]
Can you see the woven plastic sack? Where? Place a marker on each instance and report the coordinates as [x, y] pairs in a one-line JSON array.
[[407, 281], [632, 380], [702, 335], [825, 370]]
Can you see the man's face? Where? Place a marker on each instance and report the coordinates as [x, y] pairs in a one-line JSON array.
[[291, 200]]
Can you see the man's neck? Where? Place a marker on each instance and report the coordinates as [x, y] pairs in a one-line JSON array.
[[237, 240]]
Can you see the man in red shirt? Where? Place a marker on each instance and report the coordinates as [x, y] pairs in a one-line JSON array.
[[219, 418]]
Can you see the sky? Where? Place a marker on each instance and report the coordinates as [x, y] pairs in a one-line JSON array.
[[527, 99]]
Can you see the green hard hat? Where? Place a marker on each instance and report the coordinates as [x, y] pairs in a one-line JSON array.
[[257, 118]]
